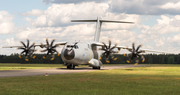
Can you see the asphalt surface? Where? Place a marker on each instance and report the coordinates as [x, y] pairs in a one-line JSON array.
[[36, 72]]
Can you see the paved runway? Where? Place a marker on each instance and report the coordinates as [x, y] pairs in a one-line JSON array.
[[36, 72]]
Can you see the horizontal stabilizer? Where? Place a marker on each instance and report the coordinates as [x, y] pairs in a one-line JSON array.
[[98, 25], [115, 21], [101, 21], [83, 20]]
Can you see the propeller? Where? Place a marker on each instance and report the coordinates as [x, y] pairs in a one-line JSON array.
[[28, 50], [50, 48], [135, 53], [108, 51]]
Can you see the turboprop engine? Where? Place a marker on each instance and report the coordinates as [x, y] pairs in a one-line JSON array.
[[96, 64]]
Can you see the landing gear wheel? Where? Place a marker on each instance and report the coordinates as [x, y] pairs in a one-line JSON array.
[[68, 67], [99, 68], [96, 67], [71, 66]]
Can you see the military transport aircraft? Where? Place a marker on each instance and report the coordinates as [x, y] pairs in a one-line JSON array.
[[83, 53]]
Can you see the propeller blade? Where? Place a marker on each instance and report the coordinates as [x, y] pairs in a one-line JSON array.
[[137, 61], [22, 52], [19, 56], [44, 57], [48, 53], [133, 47], [27, 59], [107, 55], [109, 44], [27, 42], [100, 57], [107, 61], [143, 59], [34, 57], [58, 54], [52, 42], [114, 46], [136, 64], [105, 45], [130, 50], [55, 51], [23, 44], [54, 46], [26, 53], [31, 45], [127, 61], [115, 58], [52, 58], [138, 48], [132, 57], [112, 57], [47, 42], [140, 52]]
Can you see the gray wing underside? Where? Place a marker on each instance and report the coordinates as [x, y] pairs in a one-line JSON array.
[[130, 48], [57, 43]]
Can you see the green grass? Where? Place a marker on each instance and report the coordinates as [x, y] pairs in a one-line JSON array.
[[151, 80], [17, 66]]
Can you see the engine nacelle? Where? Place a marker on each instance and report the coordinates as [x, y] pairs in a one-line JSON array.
[[95, 63]]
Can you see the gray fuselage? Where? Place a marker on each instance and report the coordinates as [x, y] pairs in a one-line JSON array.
[[78, 53]]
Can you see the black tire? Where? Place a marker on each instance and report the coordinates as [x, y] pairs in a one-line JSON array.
[[99, 68], [73, 67], [68, 67]]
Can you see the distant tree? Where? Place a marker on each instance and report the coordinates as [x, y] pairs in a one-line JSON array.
[[162, 61], [171, 60]]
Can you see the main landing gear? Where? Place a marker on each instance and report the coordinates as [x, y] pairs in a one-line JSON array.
[[97, 68], [71, 66]]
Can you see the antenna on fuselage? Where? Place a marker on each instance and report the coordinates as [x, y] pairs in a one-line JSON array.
[[98, 25]]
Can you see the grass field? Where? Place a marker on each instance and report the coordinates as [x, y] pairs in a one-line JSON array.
[[152, 80], [17, 66]]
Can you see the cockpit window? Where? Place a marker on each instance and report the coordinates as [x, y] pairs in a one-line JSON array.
[[72, 46], [76, 46]]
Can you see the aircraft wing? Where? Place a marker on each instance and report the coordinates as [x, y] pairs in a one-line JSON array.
[[40, 45], [130, 48], [147, 50], [100, 44]]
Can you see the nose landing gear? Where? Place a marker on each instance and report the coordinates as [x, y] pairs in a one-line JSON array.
[[70, 66]]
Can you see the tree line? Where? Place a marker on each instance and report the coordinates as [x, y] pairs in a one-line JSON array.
[[149, 59]]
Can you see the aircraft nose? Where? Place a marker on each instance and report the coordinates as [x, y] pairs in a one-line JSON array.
[[69, 54]]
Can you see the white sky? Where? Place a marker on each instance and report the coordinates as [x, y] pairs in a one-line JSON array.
[[156, 22]]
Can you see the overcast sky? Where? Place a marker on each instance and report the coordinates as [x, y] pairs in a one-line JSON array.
[[156, 22]]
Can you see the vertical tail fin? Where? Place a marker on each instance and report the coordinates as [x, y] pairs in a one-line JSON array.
[[98, 25]]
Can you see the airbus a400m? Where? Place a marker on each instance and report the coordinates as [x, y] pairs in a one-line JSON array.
[[82, 53]]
